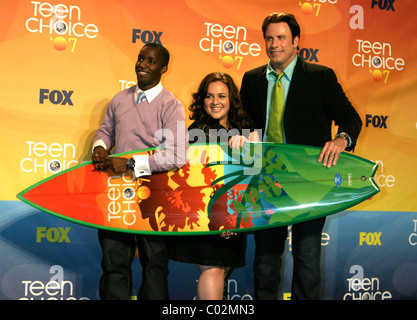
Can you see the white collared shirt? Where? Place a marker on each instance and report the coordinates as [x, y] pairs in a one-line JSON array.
[[150, 93]]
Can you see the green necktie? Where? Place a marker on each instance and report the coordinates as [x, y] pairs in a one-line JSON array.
[[275, 130]]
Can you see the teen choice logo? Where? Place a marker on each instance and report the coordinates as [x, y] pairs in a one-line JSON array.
[[143, 192], [306, 8], [376, 75], [60, 43], [64, 24], [229, 43], [227, 61]]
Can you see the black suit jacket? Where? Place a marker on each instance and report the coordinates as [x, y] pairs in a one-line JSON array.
[[315, 99]]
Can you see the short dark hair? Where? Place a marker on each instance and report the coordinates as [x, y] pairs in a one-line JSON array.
[[164, 51], [289, 18]]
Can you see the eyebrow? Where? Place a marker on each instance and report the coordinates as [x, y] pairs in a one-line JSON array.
[[215, 93]]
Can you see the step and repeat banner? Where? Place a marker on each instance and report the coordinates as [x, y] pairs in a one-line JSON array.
[[62, 61]]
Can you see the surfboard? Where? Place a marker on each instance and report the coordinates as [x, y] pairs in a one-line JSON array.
[[261, 185]]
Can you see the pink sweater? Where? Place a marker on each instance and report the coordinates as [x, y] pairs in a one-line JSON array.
[[130, 126]]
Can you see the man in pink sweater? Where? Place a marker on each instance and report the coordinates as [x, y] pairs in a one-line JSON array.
[[144, 116]]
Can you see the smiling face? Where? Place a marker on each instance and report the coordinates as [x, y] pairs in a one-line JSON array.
[[149, 67], [281, 48], [217, 103]]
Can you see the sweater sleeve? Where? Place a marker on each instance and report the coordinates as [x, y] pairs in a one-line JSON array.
[[173, 138]]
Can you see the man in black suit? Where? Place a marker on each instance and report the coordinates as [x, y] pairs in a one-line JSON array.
[[313, 98]]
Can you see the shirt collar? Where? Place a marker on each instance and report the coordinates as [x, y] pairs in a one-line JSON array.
[[150, 93], [289, 70]]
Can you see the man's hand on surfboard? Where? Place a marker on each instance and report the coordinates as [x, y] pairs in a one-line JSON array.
[[331, 151], [99, 157]]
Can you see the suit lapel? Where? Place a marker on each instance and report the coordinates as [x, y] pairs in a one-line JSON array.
[[296, 80], [261, 91]]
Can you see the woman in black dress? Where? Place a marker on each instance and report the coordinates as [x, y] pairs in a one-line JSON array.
[[216, 105]]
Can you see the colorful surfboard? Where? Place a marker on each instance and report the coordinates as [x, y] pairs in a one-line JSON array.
[[261, 185]]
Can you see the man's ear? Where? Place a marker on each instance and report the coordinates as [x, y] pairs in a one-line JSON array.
[[164, 69], [296, 41]]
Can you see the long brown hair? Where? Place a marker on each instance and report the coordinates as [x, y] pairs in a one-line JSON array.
[[237, 117]]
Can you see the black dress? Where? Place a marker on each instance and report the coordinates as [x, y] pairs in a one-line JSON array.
[[210, 250]]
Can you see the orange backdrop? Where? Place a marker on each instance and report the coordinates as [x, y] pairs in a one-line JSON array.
[[62, 61]]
